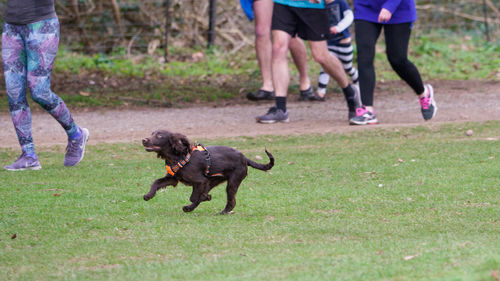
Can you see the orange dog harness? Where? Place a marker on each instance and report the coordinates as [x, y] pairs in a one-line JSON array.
[[172, 170]]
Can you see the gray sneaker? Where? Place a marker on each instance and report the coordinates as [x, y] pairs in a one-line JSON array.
[[363, 117], [428, 104], [76, 149], [273, 115], [24, 162]]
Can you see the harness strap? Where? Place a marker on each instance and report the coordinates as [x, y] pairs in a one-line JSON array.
[[209, 163], [172, 170]]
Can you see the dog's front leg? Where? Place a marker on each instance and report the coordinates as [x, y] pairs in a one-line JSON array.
[[197, 196], [158, 184]]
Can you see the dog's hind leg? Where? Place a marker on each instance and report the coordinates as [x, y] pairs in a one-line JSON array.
[[233, 183], [158, 184]]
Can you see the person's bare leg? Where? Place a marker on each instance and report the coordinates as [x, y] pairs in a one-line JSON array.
[[299, 55], [330, 63], [263, 10], [334, 68], [281, 74], [281, 79]]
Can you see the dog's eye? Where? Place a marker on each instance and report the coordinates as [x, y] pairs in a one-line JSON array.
[[159, 136]]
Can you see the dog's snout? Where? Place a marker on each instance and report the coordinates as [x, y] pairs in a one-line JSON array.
[[145, 141]]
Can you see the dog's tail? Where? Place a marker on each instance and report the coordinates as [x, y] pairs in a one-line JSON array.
[[263, 167]]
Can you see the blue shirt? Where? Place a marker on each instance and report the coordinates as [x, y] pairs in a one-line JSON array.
[[336, 11], [247, 6], [402, 10], [301, 3]]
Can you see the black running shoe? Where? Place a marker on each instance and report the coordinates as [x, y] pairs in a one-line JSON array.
[[261, 95], [307, 95]]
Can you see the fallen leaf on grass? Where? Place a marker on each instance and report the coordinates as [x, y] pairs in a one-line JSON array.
[[85, 94], [407, 258], [57, 194], [398, 162], [13, 236]]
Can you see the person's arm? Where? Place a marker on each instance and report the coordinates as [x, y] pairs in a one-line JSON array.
[[384, 16], [345, 22], [391, 5]]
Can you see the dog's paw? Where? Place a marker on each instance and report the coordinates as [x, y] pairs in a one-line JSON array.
[[187, 208], [224, 212], [146, 197]]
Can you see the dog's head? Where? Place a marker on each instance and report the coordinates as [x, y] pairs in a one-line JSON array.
[[167, 145]]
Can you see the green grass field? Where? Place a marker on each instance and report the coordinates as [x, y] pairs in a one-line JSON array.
[[382, 204]]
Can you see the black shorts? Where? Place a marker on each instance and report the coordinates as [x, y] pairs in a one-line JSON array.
[[308, 23]]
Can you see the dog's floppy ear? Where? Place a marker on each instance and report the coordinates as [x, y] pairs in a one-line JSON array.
[[180, 144]]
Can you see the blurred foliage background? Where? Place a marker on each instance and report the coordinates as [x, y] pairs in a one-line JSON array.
[[113, 52], [133, 26]]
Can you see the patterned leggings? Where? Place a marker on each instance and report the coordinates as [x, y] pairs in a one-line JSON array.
[[28, 53]]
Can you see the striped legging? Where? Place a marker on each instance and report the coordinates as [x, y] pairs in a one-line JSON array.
[[344, 52]]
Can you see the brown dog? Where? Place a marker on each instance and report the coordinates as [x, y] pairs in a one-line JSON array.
[[200, 167]]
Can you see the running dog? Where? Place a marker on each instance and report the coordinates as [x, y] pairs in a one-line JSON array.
[[199, 167]]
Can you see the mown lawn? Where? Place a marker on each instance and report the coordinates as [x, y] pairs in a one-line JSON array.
[[383, 204]]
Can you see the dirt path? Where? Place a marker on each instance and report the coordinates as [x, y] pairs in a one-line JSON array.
[[458, 101]]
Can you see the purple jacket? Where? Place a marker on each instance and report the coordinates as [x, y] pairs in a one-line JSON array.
[[402, 10]]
